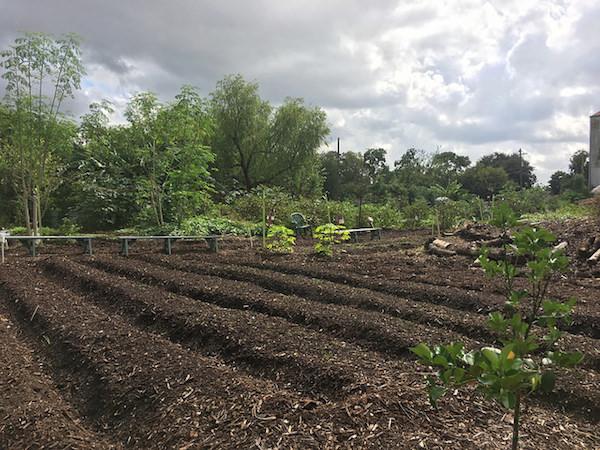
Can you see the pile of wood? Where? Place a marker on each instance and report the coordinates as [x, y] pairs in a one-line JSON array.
[[590, 250]]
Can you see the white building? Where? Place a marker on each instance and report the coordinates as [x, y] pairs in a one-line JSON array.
[[595, 150]]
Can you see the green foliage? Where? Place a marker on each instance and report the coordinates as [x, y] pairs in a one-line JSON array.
[[203, 225], [256, 144], [328, 236], [503, 216], [416, 213], [40, 73], [280, 239], [524, 362]]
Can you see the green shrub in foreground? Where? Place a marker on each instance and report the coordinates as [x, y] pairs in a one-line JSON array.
[[523, 362]]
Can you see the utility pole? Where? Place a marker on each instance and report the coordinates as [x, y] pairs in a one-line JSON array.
[[338, 148], [521, 169]]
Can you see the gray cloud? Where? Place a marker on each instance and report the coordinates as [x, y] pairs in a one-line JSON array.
[[473, 76]]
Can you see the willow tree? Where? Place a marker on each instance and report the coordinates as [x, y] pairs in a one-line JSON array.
[[41, 72], [256, 144]]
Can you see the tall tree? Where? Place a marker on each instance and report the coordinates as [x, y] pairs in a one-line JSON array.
[[255, 144], [241, 131], [579, 163], [40, 73], [446, 167], [172, 145], [484, 181], [517, 168]]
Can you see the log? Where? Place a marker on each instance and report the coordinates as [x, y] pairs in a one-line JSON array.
[[595, 257], [439, 251], [441, 243], [562, 246]]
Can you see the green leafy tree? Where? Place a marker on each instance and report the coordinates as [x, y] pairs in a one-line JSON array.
[[40, 73], [446, 167], [327, 236], [255, 144], [524, 361], [518, 169], [579, 163], [484, 181], [171, 144]]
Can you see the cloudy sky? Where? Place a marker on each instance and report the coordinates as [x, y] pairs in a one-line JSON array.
[[471, 76]]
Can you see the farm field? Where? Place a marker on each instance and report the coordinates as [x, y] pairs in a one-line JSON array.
[[248, 350]]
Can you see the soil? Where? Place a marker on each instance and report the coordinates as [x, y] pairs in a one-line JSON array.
[[245, 349]]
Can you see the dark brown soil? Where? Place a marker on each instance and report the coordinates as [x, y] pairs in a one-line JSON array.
[[249, 350]]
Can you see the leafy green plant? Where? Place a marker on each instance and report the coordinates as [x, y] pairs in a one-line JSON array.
[[329, 235], [280, 239], [527, 353]]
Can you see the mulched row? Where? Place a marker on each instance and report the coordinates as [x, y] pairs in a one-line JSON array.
[[453, 297], [575, 391], [263, 345], [142, 380], [370, 329], [34, 413], [395, 416], [466, 323]]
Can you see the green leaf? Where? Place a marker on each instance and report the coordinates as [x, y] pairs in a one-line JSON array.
[[423, 352], [547, 381], [435, 393], [508, 399], [491, 354]]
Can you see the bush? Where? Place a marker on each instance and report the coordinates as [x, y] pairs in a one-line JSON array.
[[281, 239], [416, 214], [525, 362], [327, 236], [202, 225]]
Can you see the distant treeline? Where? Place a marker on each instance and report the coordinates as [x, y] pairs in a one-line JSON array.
[[183, 158]]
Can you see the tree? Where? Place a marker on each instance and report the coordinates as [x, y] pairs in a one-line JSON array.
[[40, 72], [374, 159], [255, 144], [103, 194], [527, 359], [446, 167], [512, 166], [241, 131], [557, 180], [579, 163], [484, 181], [171, 144]]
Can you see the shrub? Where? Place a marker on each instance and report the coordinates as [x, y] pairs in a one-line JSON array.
[[525, 361], [416, 213], [281, 239], [202, 225], [327, 236]]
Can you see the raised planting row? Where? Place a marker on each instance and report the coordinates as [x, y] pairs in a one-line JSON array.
[[470, 324], [33, 412], [457, 298], [135, 381], [260, 344], [458, 272], [380, 332], [371, 329]]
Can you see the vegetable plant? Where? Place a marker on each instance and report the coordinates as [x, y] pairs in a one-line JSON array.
[[525, 356], [281, 239], [327, 236]]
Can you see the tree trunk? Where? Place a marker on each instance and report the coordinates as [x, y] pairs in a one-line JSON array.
[[34, 207]]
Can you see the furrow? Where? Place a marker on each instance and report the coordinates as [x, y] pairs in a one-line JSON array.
[[260, 344], [139, 380], [466, 323], [33, 411]]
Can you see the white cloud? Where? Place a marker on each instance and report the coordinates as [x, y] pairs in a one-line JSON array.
[[474, 76]]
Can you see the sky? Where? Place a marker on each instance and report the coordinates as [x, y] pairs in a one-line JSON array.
[[469, 76]]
